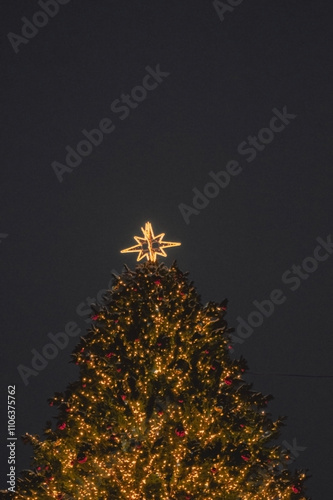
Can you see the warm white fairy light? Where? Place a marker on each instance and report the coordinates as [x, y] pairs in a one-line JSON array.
[[113, 443]]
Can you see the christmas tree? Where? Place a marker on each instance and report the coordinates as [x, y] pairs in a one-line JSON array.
[[160, 410]]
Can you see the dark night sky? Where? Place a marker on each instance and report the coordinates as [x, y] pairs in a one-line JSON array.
[[59, 241]]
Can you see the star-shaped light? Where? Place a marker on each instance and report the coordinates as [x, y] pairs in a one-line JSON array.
[[150, 245]]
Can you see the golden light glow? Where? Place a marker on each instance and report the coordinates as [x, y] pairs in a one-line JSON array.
[[150, 246]]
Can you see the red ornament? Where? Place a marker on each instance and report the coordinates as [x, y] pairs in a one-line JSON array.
[[39, 468], [228, 381], [180, 432], [213, 470], [82, 350], [109, 354], [61, 427], [118, 370], [123, 397], [137, 340], [68, 410], [51, 403], [94, 317], [206, 351], [157, 282], [246, 457], [160, 413], [116, 320], [82, 459], [295, 489], [223, 308], [180, 400], [213, 367]]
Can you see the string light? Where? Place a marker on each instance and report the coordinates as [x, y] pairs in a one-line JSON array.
[[160, 410]]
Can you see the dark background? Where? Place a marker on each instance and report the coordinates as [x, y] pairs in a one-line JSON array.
[[60, 241]]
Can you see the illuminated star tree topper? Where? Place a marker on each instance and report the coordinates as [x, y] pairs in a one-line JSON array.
[[150, 245]]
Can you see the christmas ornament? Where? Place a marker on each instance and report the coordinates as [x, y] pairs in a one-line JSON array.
[[81, 458], [246, 456], [180, 431], [150, 246]]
